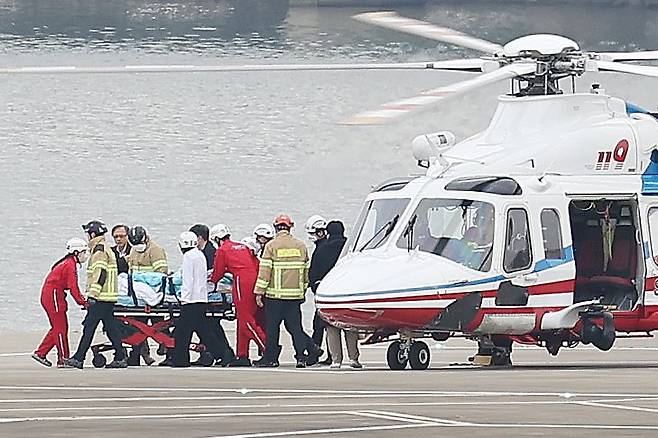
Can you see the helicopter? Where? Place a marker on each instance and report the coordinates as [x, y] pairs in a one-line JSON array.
[[539, 230]]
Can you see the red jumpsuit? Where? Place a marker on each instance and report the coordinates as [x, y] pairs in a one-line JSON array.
[[237, 259], [63, 276]]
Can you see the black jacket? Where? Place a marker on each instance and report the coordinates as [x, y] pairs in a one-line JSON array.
[[326, 255], [209, 251], [122, 262]]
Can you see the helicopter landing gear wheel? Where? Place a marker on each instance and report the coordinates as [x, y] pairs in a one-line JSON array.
[[397, 355], [419, 356]]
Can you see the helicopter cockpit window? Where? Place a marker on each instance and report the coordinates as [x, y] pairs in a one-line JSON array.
[[490, 184], [461, 230], [517, 255], [376, 222]]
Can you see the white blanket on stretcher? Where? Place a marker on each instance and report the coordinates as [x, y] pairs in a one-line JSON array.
[[142, 290]]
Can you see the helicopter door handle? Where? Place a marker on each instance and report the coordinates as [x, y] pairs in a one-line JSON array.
[[531, 278]]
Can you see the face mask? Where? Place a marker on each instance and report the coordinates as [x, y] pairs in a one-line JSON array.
[[82, 257], [140, 248]]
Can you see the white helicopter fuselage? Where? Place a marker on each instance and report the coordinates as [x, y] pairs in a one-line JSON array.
[[567, 184]]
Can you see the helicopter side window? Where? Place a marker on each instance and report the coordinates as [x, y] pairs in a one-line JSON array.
[[653, 229], [551, 235], [460, 230], [517, 255]]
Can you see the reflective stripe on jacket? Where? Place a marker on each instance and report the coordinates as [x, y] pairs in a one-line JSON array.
[[283, 272], [102, 271], [153, 259]]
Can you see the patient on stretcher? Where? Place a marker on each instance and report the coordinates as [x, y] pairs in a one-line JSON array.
[[154, 288]]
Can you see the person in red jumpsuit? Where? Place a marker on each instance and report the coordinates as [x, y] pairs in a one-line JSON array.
[[62, 277], [241, 262]]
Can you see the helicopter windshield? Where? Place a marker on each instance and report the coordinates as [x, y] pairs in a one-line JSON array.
[[375, 223], [461, 230]]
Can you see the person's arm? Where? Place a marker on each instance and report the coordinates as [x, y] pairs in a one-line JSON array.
[[159, 260], [187, 274], [72, 285], [264, 274], [219, 267], [313, 270], [98, 268], [306, 267]]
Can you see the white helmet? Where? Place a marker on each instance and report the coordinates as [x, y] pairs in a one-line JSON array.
[[75, 244], [315, 223], [219, 231], [252, 244], [187, 240], [264, 230], [79, 248]]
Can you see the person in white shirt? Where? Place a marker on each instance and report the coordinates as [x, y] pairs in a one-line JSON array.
[[194, 300]]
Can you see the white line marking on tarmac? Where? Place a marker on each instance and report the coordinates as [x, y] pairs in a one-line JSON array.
[[325, 431], [386, 416], [175, 416], [319, 393], [401, 416], [622, 407], [313, 405], [14, 354]]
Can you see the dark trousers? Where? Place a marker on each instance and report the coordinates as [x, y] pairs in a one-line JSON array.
[[319, 327], [290, 313], [99, 311], [193, 319]]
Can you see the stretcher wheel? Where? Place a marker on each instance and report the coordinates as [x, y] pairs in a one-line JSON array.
[[206, 359], [98, 361]]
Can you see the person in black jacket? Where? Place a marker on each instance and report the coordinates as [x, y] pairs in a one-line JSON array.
[[326, 257], [316, 227], [122, 247]]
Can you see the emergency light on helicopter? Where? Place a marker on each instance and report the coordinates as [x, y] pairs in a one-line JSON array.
[[537, 230]]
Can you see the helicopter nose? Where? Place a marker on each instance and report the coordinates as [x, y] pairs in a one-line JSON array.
[[373, 290]]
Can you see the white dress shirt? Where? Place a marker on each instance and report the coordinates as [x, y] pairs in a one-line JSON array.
[[195, 278]]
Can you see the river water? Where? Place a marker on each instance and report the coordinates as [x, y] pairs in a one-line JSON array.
[[170, 150]]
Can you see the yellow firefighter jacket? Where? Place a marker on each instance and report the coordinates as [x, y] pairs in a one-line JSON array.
[[153, 259], [102, 271], [283, 272]]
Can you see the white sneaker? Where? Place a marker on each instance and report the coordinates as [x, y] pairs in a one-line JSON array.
[[335, 366]]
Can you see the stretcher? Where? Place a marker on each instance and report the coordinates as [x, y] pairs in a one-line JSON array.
[[147, 308]]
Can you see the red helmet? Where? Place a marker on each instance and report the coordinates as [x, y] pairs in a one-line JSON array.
[[283, 219]]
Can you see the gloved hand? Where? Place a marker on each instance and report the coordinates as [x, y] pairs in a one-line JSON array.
[[259, 300]]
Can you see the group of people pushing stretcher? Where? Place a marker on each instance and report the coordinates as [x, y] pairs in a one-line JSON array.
[[270, 274]]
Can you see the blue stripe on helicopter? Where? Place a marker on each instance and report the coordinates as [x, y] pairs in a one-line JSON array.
[[541, 265], [650, 175]]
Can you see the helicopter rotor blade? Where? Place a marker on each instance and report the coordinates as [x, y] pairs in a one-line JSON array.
[[393, 111], [473, 65], [391, 20], [620, 67], [648, 55]]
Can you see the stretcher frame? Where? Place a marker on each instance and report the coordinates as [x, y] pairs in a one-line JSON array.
[[134, 331]]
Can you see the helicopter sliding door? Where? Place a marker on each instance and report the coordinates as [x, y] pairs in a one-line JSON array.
[[607, 252]]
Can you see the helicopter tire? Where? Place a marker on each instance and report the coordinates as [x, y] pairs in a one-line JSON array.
[[396, 357], [419, 356]]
